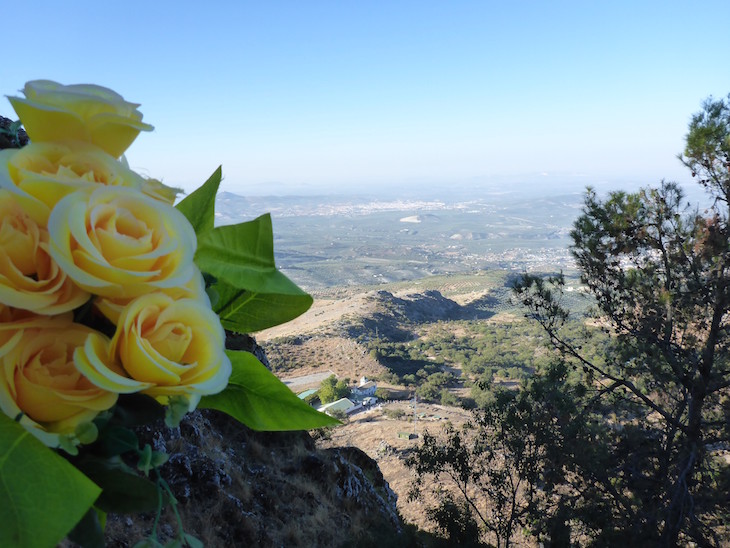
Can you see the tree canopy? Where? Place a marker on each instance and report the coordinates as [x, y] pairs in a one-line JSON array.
[[634, 452], [332, 390]]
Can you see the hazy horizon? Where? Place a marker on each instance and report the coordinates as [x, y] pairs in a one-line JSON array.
[[310, 96], [477, 187]]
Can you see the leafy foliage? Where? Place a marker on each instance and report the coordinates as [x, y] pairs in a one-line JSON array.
[[199, 206], [332, 390], [624, 452], [707, 150], [487, 353], [252, 293], [504, 464], [659, 274], [27, 469]]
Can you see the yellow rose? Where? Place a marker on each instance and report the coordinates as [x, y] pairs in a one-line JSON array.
[[160, 191], [94, 114], [166, 347], [12, 320], [38, 378], [9, 335], [40, 174], [194, 289], [29, 278], [119, 243]]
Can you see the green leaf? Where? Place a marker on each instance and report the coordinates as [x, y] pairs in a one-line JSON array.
[[66, 442], [145, 460], [245, 311], [86, 433], [177, 408], [193, 542], [43, 496], [123, 490], [252, 293], [244, 249], [149, 459], [88, 532], [259, 400], [101, 516], [116, 440], [213, 296], [199, 207], [159, 458], [137, 410]]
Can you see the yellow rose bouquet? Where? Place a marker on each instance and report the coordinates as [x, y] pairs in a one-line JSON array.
[[114, 306]]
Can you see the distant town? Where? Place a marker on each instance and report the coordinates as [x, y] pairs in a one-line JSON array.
[[329, 241]]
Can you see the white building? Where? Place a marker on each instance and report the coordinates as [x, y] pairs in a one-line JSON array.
[[365, 388], [345, 405]]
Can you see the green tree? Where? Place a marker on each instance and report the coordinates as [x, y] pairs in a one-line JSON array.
[[332, 390], [501, 470], [617, 446], [707, 150], [659, 272]]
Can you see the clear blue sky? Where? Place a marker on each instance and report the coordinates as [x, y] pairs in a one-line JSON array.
[[290, 95]]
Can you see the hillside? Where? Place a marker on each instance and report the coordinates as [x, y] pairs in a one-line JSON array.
[[345, 486], [391, 333], [447, 297]]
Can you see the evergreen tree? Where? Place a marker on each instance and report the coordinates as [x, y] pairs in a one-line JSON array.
[[621, 449], [659, 272]]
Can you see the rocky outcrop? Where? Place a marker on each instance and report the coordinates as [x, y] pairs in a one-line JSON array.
[[10, 138], [236, 487], [394, 317]]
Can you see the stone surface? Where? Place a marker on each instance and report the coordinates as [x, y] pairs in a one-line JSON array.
[[8, 138]]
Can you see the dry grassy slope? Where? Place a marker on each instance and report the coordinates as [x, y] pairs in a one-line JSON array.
[[324, 313], [320, 340], [335, 305], [342, 356], [326, 337]]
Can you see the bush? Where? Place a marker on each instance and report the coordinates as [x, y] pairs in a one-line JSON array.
[[447, 398], [428, 392], [389, 377], [409, 380], [394, 413], [338, 414]]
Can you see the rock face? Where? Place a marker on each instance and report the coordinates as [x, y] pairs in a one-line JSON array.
[[236, 487], [8, 138]]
